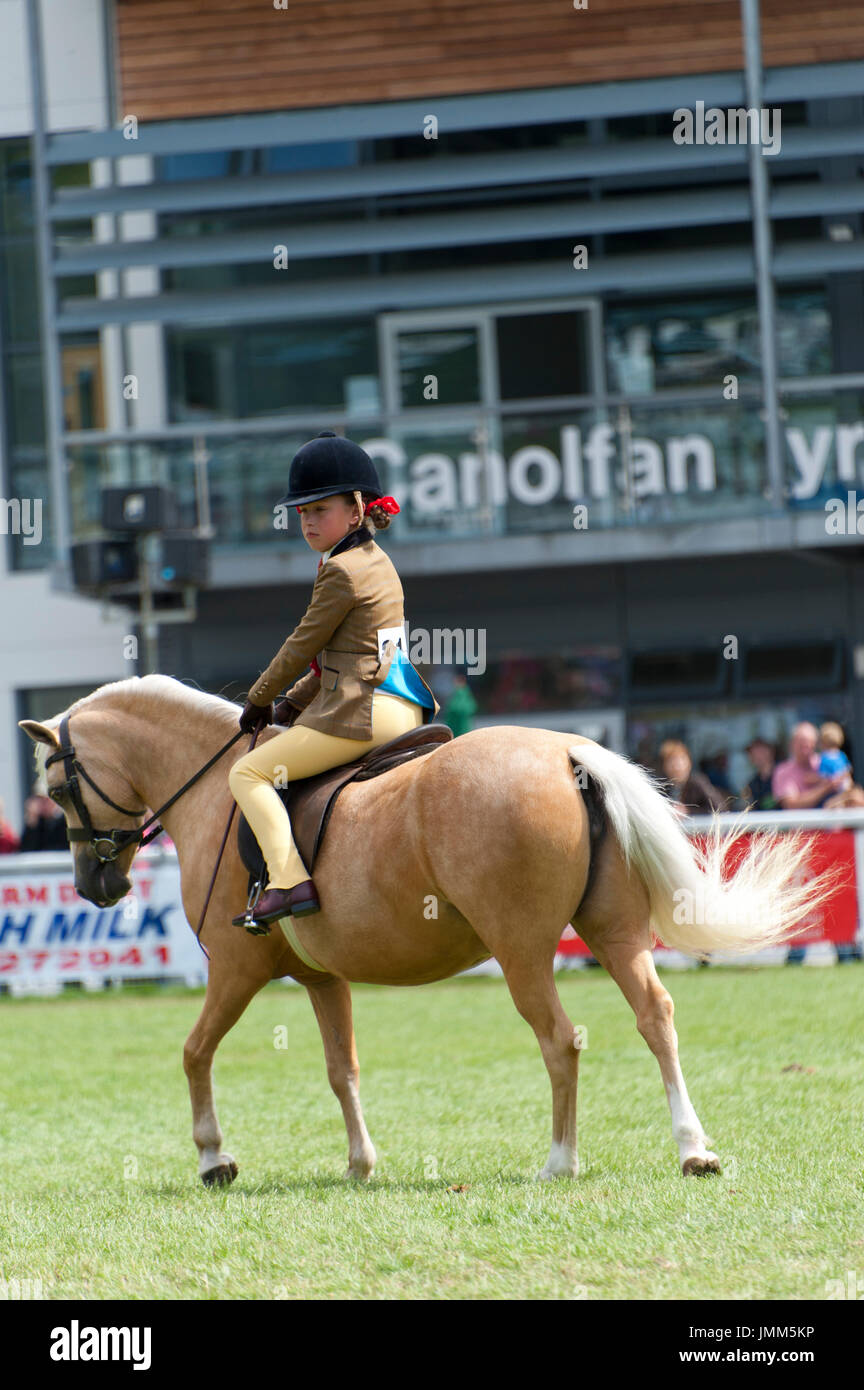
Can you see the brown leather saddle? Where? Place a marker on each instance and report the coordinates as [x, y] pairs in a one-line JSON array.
[[310, 800]]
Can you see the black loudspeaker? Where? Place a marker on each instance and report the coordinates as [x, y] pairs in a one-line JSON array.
[[98, 564], [150, 508], [184, 560]]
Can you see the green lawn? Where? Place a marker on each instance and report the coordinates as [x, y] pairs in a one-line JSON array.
[[101, 1198]]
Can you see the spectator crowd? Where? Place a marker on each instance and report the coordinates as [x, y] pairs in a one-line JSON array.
[[816, 775], [44, 826]]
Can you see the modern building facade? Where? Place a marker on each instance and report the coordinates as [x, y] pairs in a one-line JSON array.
[[611, 364]]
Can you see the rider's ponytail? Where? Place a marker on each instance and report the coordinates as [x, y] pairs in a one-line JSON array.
[[378, 516]]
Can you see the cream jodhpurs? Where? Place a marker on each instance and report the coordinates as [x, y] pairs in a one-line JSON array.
[[301, 752]]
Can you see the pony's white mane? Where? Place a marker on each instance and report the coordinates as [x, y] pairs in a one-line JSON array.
[[132, 689]]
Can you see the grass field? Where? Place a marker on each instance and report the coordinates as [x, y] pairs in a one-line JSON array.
[[101, 1198]]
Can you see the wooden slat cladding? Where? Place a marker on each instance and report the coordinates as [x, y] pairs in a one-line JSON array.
[[215, 57]]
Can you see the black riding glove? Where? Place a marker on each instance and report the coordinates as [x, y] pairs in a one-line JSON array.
[[255, 717], [284, 712]]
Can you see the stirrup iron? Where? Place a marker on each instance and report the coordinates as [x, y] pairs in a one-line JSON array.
[[255, 928]]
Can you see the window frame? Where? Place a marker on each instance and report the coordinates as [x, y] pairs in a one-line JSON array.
[[482, 319]]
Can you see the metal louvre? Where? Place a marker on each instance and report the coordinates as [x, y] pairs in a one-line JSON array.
[[646, 273], [504, 175], [521, 168], [472, 112], [537, 221]]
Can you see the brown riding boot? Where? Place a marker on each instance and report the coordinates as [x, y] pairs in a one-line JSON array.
[[282, 902], [304, 899]]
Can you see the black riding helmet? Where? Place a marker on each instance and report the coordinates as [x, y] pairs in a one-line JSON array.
[[327, 465]]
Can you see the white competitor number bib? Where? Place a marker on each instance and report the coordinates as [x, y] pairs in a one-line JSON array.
[[396, 635]]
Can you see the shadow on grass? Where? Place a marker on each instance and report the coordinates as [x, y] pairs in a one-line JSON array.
[[320, 1183]]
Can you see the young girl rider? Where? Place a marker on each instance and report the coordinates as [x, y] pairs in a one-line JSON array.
[[361, 690]]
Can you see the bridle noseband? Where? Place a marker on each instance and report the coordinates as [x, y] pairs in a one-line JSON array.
[[115, 841]]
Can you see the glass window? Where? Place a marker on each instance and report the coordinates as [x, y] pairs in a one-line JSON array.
[[205, 164], [449, 355], [687, 343], [202, 278], [323, 154], [25, 403], [803, 333], [71, 175], [823, 450], [270, 159], [197, 385], [543, 355], [583, 678], [244, 372], [649, 125], [83, 407], [30, 480], [76, 287], [16, 187], [550, 135], [662, 672], [697, 342], [815, 665], [310, 365], [19, 302]]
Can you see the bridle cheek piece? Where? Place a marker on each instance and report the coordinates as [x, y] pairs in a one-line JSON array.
[[113, 841]]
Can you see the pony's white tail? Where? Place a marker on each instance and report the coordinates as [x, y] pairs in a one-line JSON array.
[[692, 908]]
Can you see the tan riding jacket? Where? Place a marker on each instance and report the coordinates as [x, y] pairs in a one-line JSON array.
[[356, 592]]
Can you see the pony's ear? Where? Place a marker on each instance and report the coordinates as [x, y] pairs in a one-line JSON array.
[[40, 733]]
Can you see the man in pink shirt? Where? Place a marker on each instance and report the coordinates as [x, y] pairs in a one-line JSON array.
[[797, 784]]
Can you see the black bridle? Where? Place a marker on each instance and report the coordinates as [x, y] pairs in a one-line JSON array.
[[115, 841]]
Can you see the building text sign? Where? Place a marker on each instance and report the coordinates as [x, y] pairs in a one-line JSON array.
[[598, 463]]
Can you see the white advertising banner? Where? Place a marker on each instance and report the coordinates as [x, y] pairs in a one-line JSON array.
[[49, 935]]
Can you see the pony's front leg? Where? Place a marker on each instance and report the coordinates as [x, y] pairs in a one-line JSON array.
[[331, 1001], [224, 1003]]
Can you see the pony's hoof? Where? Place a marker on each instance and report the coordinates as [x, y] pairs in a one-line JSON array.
[[220, 1176], [562, 1162], [548, 1174], [362, 1166], [697, 1167]]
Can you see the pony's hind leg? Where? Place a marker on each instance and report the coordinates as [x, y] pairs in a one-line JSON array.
[[531, 981], [631, 965], [331, 1001]]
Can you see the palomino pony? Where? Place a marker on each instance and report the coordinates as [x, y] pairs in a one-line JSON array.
[[481, 848]]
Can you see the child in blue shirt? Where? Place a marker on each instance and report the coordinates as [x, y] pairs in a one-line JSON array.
[[833, 761]]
